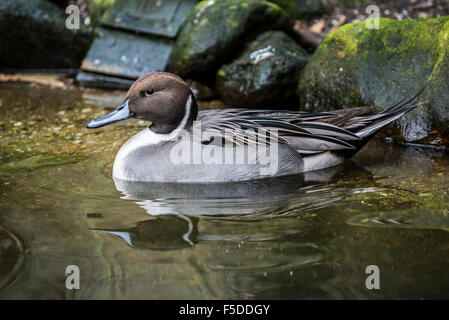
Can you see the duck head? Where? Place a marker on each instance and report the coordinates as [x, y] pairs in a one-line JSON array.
[[160, 97]]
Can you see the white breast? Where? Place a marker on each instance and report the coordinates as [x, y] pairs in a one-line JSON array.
[[146, 138], [141, 139]]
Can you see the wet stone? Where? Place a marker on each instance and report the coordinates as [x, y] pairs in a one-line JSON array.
[[304, 9], [34, 35], [265, 74], [121, 54], [201, 90], [215, 30], [162, 18], [357, 66]]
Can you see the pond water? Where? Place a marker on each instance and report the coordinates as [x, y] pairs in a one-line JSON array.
[[300, 237]]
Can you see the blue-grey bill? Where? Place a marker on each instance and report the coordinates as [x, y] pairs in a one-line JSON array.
[[121, 113]]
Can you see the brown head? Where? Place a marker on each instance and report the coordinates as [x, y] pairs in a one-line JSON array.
[[160, 97]]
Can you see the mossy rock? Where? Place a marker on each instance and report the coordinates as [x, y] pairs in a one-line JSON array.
[[97, 8], [214, 32], [356, 66], [34, 35], [265, 74], [304, 9]]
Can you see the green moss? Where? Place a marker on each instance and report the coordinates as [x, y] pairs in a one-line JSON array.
[[441, 48], [37, 162], [212, 33], [97, 8], [355, 65]]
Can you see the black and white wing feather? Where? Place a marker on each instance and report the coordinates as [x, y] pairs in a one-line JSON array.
[[307, 133]]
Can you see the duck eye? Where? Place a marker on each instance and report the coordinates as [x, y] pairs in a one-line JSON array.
[[149, 92]]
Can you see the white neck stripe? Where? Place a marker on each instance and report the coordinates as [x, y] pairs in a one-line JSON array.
[[160, 137]]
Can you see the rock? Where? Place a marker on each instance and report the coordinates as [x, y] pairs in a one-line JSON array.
[[214, 31], [303, 9], [356, 66], [97, 8], [34, 35], [201, 90], [265, 74]]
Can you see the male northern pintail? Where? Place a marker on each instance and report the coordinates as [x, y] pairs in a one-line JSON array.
[[184, 145]]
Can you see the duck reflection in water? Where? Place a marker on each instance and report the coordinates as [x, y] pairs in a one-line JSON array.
[[178, 208]]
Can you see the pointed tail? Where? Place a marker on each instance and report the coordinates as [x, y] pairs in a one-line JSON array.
[[366, 126]]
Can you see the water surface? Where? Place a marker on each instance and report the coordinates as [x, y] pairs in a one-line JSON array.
[[300, 237]]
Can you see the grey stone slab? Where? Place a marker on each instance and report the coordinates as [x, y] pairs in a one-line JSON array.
[[125, 55], [156, 17]]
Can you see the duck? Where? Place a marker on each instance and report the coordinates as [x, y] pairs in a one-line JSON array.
[[185, 145]]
